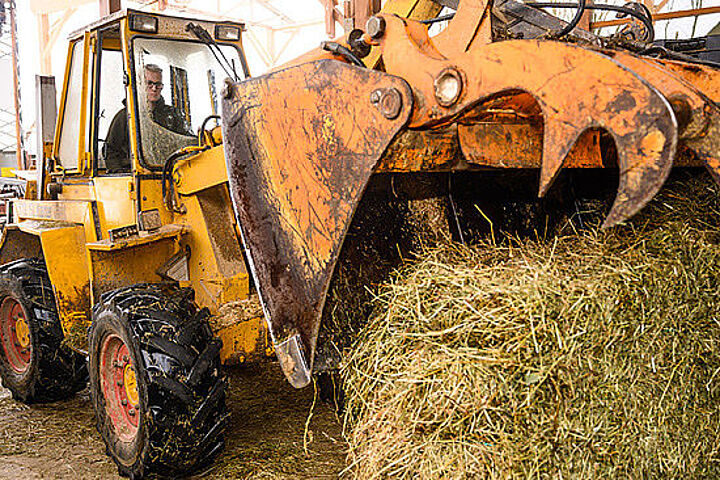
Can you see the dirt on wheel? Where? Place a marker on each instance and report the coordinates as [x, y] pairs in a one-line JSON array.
[[272, 434]]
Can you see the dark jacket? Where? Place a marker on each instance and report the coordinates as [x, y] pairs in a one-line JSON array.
[[117, 143]]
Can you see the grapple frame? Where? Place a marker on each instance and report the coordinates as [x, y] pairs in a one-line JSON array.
[[302, 142]]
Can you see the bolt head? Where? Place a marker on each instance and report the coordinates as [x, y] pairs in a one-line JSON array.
[[388, 101], [375, 27], [448, 87]]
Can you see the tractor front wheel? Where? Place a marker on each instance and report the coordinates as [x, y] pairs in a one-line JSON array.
[[155, 381]]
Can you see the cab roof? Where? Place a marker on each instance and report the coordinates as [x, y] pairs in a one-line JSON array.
[[125, 12]]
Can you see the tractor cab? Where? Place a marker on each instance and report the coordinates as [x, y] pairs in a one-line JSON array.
[[138, 87]]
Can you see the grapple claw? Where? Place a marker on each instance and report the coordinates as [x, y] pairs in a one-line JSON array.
[[644, 167], [698, 116], [302, 143], [612, 98]]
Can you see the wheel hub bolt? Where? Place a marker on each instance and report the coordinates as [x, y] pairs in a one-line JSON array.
[[131, 412], [124, 402]]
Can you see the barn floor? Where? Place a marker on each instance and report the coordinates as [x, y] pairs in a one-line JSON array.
[[264, 440]]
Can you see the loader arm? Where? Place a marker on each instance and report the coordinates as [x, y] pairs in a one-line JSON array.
[[302, 142]]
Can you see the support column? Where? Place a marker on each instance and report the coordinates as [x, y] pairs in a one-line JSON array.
[[44, 37], [587, 17], [108, 7], [19, 150]]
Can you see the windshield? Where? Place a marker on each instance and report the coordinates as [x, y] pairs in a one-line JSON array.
[[178, 83]]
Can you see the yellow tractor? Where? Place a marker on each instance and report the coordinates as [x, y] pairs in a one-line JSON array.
[[177, 186], [97, 266]]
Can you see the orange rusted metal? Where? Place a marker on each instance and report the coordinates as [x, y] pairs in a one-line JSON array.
[[500, 145], [304, 142], [704, 78], [637, 117], [697, 115]]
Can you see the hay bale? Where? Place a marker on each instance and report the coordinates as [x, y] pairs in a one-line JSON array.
[[594, 354]]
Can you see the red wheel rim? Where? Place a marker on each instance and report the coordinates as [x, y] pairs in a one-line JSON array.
[[15, 333], [119, 387]]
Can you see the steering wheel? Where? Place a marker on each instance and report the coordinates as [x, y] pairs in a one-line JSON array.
[[205, 133]]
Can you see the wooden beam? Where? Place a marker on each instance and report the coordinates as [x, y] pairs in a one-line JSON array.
[[43, 23], [660, 16], [49, 36], [282, 49], [108, 7], [587, 17], [39, 7], [298, 26], [19, 153], [279, 13], [330, 17], [259, 48], [362, 10]]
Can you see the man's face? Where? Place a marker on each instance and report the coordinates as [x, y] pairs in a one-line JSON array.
[[153, 85]]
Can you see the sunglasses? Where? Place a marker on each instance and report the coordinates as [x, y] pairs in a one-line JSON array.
[[154, 84]]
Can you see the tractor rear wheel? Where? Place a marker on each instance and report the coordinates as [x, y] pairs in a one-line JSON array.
[[155, 381], [34, 364]]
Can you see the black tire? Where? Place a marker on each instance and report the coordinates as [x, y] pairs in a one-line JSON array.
[[51, 371], [180, 388]]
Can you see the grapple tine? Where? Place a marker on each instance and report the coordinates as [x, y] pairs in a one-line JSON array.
[[645, 151], [639, 120], [644, 167], [300, 145], [698, 115]]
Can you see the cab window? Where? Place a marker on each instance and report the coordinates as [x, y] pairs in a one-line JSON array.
[[113, 142], [68, 151], [177, 89]]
